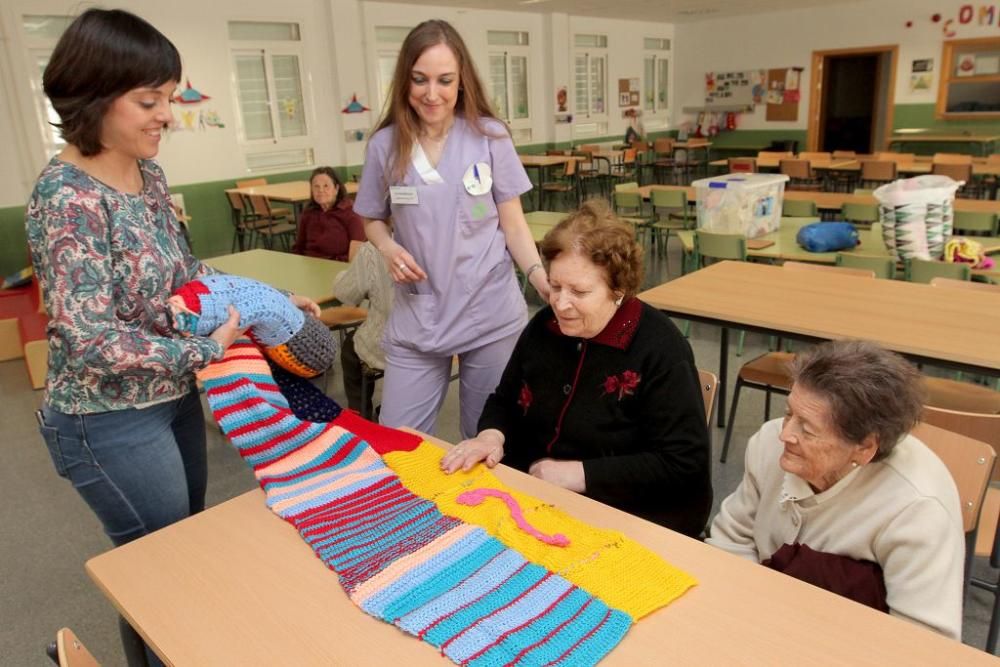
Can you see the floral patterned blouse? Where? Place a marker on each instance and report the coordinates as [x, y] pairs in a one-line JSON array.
[[107, 261]]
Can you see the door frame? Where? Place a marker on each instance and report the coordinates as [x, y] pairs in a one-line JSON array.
[[817, 77]]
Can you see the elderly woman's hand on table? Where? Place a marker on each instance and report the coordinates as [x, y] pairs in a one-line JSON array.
[[487, 447], [567, 474]]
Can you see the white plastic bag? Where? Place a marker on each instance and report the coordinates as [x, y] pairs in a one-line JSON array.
[[917, 215]]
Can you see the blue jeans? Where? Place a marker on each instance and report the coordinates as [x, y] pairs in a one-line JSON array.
[[138, 470]]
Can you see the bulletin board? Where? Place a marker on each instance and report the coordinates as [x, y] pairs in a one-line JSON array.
[[783, 93], [733, 88]]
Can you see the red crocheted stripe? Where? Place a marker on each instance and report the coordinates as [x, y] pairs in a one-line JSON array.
[[381, 438]]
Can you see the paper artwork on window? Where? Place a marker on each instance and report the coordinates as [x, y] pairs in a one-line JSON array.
[[190, 95]]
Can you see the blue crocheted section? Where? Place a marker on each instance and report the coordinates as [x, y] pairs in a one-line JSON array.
[[304, 398], [266, 311]]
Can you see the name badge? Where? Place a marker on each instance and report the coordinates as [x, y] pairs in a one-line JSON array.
[[478, 179], [403, 194]]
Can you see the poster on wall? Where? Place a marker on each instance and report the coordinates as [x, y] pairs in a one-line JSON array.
[[734, 88], [783, 93], [561, 99], [965, 64], [923, 65], [628, 92]]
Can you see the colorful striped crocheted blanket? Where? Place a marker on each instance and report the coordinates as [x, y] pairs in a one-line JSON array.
[[459, 573]]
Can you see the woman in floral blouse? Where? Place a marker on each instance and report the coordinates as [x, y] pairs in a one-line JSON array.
[[121, 416], [601, 394]]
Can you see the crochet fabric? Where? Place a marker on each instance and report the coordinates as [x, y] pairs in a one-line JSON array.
[[301, 344], [437, 575]]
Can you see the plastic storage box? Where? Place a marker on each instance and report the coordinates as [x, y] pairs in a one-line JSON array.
[[748, 204]]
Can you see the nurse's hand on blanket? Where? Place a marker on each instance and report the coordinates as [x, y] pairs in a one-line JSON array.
[[567, 474], [487, 447], [227, 333], [402, 267]]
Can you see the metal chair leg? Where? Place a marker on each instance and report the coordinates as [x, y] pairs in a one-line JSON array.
[[732, 418]]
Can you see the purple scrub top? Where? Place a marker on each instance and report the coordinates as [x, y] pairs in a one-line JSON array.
[[471, 297]]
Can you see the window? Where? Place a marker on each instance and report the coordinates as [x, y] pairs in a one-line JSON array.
[[970, 80], [388, 40], [590, 68], [508, 78], [655, 73], [270, 96], [41, 34]]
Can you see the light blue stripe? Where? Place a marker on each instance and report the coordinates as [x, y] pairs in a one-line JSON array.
[[352, 553], [569, 635], [330, 476], [320, 458], [353, 535], [331, 496], [598, 645]]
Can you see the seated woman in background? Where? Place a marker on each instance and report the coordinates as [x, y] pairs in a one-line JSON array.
[[601, 394], [329, 223], [838, 493]]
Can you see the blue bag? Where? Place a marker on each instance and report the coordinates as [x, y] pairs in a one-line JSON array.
[[827, 236]]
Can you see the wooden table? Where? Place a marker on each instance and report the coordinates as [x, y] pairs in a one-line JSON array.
[[298, 274], [549, 218], [541, 163], [914, 167], [236, 585], [924, 323], [296, 193], [833, 200]]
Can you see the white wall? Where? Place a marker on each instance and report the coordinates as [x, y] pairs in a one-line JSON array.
[[338, 60], [787, 39]]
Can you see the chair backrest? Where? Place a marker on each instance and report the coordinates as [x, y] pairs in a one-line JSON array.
[[951, 283], [842, 270], [976, 221], [958, 172], [951, 158], [882, 267], [663, 145], [993, 158], [590, 149], [969, 461], [668, 198], [764, 155], [742, 165], [923, 270], [554, 151], [799, 208], [570, 169], [709, 388], [867, 213], [844, 154], [641, 147], [815, 155], [878, 170], [627, 185], [629, 199], [236, 201], [260, 205], [720, 246], [795, 168], [963, 396], [628, 156], [71, 652], [251, 182]]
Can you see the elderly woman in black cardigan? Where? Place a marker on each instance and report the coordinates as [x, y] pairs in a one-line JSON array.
[[601, 394]]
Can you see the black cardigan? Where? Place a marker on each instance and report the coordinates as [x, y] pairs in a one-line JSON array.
[[626, 402]]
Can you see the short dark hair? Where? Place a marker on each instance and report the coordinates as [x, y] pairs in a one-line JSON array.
[[102, 55], [595, 232], [341, 191], [871, 390]]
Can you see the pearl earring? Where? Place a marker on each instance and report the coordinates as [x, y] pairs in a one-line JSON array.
[[618, 301], [854, 464]]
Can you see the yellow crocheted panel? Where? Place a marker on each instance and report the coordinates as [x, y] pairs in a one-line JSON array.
[[620, 571]]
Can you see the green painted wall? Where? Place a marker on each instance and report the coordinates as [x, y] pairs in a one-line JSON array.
[[921, 116]]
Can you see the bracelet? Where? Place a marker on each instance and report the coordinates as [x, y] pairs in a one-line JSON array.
[[531, 269]]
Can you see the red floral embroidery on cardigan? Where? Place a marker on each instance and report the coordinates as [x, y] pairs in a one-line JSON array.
[[624, 384], [525, 399]]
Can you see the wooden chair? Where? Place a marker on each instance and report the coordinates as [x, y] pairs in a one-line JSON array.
[[844, 155], [970, 462], [821, 156], [976, 223], [271, 222], [628, 207], [626, 186], [859, 214], [244, 222], [569, 184], [628, 168], [951, 158], [883, 267], [672, 214], [958, 171], [923, 270], [898, 158], [946, 394], [877, 172], [718, 247], [663, 160], [709, 388], [69, 651], [988, 546], [800, 174], [799, 208], [251, 182], [742, 165], [770, 371]]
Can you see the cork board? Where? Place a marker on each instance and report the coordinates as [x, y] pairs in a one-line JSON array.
[[783, 94]]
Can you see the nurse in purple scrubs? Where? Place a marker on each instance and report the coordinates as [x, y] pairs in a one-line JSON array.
[[445, 169]]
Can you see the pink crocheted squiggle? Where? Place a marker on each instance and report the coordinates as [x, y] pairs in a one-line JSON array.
[[477, 496]]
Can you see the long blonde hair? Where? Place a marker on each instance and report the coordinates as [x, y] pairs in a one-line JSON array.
[[472, 102]]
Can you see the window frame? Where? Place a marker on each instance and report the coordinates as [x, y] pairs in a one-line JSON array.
[[595, 122], [508, 53]]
